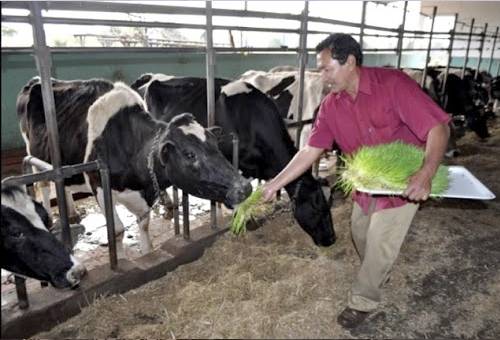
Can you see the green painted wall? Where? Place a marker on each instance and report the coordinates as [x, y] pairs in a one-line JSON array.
[[18, 68]]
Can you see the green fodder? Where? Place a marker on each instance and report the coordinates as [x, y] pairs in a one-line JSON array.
[[387, 166], [247, 210]]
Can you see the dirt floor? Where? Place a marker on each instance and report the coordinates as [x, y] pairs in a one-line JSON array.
[[274, 283]]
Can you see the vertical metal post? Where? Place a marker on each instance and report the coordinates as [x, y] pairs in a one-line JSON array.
[[44, 64], [363, 19], [481, 46], [185, 215], [175, 193], [450, 52], [493, 49], [303, 63], [401, 36], [210, 60], [22, 295], [428, 54], [466, 58], [108, 209]]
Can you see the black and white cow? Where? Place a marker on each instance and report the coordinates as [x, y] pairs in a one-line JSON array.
[[72, 101], [28, 248], [465, 98], [264, 144], [282, 85], [139, 151]]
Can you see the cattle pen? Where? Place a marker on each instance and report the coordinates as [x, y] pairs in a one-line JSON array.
[[292, 252]]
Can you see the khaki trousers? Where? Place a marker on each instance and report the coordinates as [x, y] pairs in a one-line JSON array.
[[378, 238]]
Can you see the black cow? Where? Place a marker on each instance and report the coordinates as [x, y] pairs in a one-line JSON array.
[[463, 97], [144, 155], [264, 144], [28, 248]]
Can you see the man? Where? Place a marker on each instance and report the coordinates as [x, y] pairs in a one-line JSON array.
[[370, 106]]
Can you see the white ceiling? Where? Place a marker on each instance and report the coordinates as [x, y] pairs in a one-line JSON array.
[[482, 11]]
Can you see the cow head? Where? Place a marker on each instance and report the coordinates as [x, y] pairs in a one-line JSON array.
[[195, 164], [312, 211], [28, 248]]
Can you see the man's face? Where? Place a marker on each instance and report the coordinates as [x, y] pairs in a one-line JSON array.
[[333, 74]]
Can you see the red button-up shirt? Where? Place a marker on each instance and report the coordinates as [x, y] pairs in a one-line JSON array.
[[389, 106]]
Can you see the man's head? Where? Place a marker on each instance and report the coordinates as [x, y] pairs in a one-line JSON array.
[[337, 59]]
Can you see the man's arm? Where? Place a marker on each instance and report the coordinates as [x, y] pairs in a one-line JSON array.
[[296, 167], [419, 185]]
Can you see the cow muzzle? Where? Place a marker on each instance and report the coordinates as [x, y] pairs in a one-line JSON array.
[[238, 193]]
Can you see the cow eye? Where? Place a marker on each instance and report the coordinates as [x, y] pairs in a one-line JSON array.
[[190, 155]]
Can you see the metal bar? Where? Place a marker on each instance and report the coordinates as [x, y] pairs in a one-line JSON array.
[[49, 175], [303, 122], [43, 62], [185, 215], [448, 62], [22, 295], [134, 8], [363, 21], [303, 62], [177, 50], [493, 49], [481, 46], [136, 23], [428, 54], [38, 163], [108, 209], [401, 36], [466, 58], [93, 6], [175, 194], [210, 68]]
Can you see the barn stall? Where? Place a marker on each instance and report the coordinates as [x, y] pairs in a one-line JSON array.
[[268, 233]]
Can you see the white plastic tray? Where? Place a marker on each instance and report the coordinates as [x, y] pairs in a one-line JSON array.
[[463, 184]]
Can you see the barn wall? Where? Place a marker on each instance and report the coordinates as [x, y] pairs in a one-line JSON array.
[[18, 68]]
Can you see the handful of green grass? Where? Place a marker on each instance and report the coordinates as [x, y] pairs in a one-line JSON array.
[[387, 166], [246, 210]]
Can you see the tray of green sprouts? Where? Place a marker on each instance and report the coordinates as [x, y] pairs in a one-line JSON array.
[[250, 209], [385, 169]]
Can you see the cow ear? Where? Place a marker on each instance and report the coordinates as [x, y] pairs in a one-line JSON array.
[[166, 149], [217, 131]]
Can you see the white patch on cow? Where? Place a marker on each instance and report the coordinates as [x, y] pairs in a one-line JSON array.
[[75, 273], [26, 140], [137, 205], [154, 76], [235, 87], [194, 129], [160, 77], [106, 107], [23, 204]]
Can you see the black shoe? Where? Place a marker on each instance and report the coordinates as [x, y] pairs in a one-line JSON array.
[[351, 318]]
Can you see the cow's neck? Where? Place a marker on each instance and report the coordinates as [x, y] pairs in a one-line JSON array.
[[156, 170]]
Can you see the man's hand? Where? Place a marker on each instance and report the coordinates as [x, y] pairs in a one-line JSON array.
[[269, 191], [419, 186]]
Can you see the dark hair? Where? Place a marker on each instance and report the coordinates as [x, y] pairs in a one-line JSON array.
[[341, 45]]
